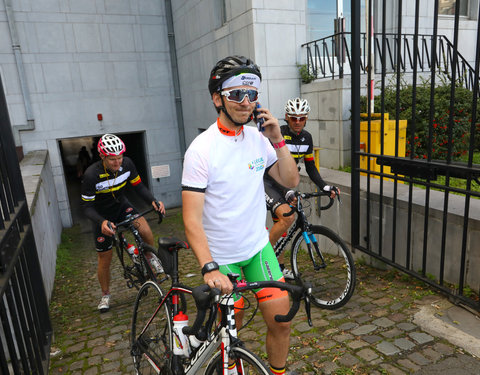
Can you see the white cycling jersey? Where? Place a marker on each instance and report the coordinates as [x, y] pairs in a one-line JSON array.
[[230, 172]]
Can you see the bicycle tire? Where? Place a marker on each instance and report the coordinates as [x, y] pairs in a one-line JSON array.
[[333, 284], [251, 363], [131, 272], [151, 350]]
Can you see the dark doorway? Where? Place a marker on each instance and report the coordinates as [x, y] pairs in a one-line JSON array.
[[73, 170]]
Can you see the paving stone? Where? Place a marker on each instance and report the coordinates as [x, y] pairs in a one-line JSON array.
[[406, 326], [404, 344], [392, 370], [382, 301], [338, 316], [379, 313], [396, 306], [394, 332], [443, 349], [397, 317], [387, 348], [348, 360], [432, 354], [302, 327], [356, 344], [342, 338], [348, 326], [367, 354], [420, 337], [363, 330], [383, 322], [408, 364], [363, 319], [372, 339], [419, 359]]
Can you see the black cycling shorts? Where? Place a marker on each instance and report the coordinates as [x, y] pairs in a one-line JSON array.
[[274, 196], [103, 242]]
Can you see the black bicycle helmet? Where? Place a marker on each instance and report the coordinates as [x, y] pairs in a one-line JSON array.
[[228, 67]]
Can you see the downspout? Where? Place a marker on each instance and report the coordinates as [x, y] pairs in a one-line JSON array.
[[175, 77], [30, 125]]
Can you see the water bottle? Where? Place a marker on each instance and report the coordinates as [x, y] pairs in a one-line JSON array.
[[181, 344], [135, 256], [130, 248]]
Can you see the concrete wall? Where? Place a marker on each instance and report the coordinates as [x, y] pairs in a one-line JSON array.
[[338, 218], [87, 57], [269, 32], [44, 210]]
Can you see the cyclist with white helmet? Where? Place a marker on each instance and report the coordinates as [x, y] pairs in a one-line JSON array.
[[104, 202], [300, 143], [224, 198]]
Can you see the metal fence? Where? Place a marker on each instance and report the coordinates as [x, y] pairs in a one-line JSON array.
[[26, 331], [331, 57], [435, 163]]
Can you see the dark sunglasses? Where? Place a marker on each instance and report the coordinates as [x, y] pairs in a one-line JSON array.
[[298, 118], [238, 95]]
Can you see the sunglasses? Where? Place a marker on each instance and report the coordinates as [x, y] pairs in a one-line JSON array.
[[298, 118], [238, 95]]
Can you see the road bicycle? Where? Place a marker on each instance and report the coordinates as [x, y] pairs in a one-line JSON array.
[[137, 268], [318, 255], [155, 343]]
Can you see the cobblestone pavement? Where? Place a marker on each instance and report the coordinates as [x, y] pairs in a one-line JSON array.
[[377, 332]]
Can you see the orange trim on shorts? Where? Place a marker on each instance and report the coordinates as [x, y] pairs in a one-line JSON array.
[[267, 294], [239, 305]]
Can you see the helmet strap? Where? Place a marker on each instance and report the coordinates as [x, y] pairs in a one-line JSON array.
[[224, 110]]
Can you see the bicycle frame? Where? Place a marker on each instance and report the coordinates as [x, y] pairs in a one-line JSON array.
[[301, 223], [224, 336]]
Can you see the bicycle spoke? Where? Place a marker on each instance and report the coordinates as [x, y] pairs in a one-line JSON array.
[[327, 265], [151, 334]]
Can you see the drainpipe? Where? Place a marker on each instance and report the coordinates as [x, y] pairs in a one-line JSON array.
[[30, 125], [176, 79]]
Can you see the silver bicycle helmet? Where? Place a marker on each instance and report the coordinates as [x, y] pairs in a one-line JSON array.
[[110, 144], [297, 107]]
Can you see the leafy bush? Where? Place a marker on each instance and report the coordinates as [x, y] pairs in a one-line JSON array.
[[461, 118], [306, 75]]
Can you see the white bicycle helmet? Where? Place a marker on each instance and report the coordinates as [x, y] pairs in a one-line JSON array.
[[297, 107], [110, 144]]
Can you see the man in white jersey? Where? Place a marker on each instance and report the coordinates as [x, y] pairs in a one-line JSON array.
[[223, 195]]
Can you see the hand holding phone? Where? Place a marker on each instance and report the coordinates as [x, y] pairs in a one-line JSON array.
[[259, 121]]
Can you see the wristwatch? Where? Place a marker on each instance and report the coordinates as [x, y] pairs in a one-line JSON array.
[[209, 267]]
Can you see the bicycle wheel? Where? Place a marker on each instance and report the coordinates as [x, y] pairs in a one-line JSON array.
[[151, 337], [247, 363], [327, 264]]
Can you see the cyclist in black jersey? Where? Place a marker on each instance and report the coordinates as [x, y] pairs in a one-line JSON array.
[[104, 202], [300, 143]]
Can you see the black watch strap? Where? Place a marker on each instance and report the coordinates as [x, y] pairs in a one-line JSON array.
[[209, 267]]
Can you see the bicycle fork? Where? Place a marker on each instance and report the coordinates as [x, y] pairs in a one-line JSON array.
[[312, 244]]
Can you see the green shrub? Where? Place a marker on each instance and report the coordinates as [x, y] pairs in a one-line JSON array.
[[418, 133]]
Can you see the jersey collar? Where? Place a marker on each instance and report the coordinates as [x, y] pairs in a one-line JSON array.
[[228, 132]]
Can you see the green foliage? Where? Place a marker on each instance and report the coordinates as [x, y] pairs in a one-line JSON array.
[[419, 134], [305, 74]]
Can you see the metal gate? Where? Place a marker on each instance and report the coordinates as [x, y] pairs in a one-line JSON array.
[[416, 197], [26, 331]]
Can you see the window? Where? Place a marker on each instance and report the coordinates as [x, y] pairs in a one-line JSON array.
[[447, 7]]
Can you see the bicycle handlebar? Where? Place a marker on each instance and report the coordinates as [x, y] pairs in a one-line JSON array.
[[125, 223], [322, 193], [205, 297]]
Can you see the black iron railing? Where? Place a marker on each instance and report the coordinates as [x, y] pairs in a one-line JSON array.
[[26, 331], [330, 57]]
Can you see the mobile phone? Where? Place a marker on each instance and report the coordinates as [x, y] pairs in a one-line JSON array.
[[259, 121]]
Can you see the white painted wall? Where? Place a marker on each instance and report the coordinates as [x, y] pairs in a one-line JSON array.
[[87, 57], [268, 31]]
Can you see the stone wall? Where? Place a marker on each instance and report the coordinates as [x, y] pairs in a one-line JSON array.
[[44, 211]]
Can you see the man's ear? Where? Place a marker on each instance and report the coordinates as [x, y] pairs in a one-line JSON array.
[[217, 100]]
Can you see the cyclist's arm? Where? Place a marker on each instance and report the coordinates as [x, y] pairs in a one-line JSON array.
[[192, 207], [88, 205], [284, 171]]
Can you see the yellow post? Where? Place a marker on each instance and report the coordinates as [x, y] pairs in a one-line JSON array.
[[376, 138], [316, 156]]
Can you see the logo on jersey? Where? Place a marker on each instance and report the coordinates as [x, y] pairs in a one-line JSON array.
[[257, 165], [100, 239]]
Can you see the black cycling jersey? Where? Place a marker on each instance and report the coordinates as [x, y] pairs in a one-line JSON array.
[[103, 192], [301, 146]]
